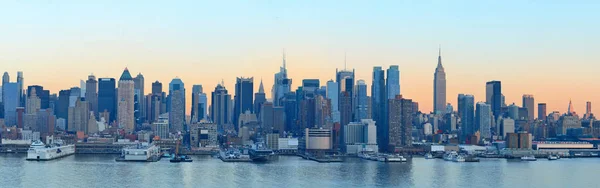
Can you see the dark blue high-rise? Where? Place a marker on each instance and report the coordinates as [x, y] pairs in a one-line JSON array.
[[107, 97]]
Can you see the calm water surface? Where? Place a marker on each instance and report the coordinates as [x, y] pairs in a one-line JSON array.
[[289, 171]]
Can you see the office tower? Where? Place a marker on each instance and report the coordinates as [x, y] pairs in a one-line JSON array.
[[91, 94], [393, 82], [92, 124], [267, 118], [107, 98], [332, 95], [219, 111], [45, 122], [400, 123], [281, 85], [439, 86], [529, 104], [244, 91], [5, 78], [44, 95], [360, 101], [177, 105], [466, 105], [483, 121], [125, 101], [78, 116], [259, 99], [62, 105], [140, 103], [513, 112], [197, 110], [588, 109], [75, 95], [379, 109], [494, 96], [345, 80], [11, 102], [542, 111], [310, 87], [290, 107], [157, 88], [345, 108], [33, 102], [20, 83]]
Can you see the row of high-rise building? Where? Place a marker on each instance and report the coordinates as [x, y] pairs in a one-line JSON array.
[[106, 103]]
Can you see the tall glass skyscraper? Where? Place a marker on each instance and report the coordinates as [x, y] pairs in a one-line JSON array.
[[244, 98], [360, 103], [466, 104], [220, 102], [483, 121], [177, 105], [333, 95], [393, 82], [107, 97], [379, 107], [494, 97], [11, 102]]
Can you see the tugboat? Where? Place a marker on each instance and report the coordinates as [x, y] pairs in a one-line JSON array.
[[552, 157], [428, 156], [177, 158], [259, 152]]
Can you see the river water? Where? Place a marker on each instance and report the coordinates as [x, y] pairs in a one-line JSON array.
[[290, 171]]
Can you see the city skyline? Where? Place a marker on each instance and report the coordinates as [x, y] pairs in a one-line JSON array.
[[502, 46]]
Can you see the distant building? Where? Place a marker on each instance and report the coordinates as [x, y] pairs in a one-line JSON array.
[[400, 123], [507, 125], [360, 101], [11, 102], [529, 104], [483, 121], [332, 95], [466, 106], [126, 102], [106, 98], [361, 136], [379, 107], [542, 111], [243, 99], [519, 141], [494, 96], [177, 105], [439, 87], [281, 85], [568, 122], [317, 139], [220, 104], [259, 99], [91, 94], [161, 126]]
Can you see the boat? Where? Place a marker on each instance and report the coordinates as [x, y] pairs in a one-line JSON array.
[[471, 158], [552, 157], [458, 158], [259, 152], [594, 154], [38, 151], [528, 158], [428, 156], [449, 156], [391, 158]]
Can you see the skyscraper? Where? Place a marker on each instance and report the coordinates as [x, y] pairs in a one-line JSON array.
[[244, 91], [466, 109], [379, 107], [44, 95], [91, 94], [62, 106], [33, 102], [259, 99], [220, 102], [393, 81], [345, 80], [400, 123], [483, 121], [281, 85], [140, 103], [332, 95], [20, 82], [5, 78], [11, 102], [107, 98], [542, 114], [529, 104], [588, 109], [494, 97], [439, 87], [360, 101], [177, 105], [126, 102], [157, 88], [345, 108]]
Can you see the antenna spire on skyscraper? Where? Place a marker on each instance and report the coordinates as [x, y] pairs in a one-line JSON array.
[[284, 58]]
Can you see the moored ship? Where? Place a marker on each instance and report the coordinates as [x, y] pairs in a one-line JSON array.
[[38, 151], [260, 153]]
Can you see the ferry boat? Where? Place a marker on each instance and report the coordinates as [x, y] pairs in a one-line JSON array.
[[259, 152], [38, 151], [528, 158], [391, 158], [552, 157]]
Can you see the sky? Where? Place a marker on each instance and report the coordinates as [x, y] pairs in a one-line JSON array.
[[544, 48]]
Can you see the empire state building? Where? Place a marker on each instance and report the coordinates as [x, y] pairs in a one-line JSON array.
[[439, 87]]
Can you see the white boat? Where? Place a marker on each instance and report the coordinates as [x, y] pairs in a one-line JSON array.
[[552, 157], [39, 151], [428, 156], [458, 158], [450, 156], [528, 158], [594, 154]]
